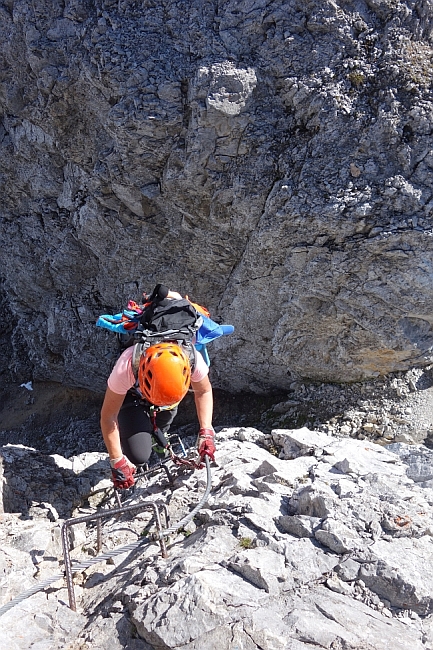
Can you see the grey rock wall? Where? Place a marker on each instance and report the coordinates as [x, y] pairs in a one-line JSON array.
[[270, 159]]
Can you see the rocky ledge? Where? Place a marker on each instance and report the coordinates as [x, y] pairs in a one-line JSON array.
[[306, 541]]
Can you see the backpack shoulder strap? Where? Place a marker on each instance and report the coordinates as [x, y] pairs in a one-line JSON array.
[[191, 353], [138, 350]]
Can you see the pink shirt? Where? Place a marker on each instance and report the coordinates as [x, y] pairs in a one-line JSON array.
[[122, 378]]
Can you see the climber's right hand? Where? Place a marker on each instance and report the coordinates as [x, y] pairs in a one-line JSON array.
[[122, 473]]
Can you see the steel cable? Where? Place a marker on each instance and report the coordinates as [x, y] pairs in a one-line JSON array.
[[190, 515], [75, 567]]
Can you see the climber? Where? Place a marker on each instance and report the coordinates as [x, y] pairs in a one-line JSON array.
[[138, 408]]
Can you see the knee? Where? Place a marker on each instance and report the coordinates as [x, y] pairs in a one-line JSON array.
[[138, 447]]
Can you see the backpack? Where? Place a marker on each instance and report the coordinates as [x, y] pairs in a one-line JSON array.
[[164, 319], [164, 316]]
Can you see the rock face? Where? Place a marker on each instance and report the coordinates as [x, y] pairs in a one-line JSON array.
[[325, 545], [271, 160]]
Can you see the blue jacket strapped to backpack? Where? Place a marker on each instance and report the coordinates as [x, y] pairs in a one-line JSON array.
[[208, 331]]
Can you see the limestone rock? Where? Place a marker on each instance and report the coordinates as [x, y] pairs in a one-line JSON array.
[[299, 563]]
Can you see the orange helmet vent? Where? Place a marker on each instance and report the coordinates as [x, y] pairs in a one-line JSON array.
[[164, 374]]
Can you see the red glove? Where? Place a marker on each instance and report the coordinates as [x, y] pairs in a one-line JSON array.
[[122, 474], [205, 444]]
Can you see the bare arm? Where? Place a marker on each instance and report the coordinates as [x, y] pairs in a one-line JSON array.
[[109, 427], [203, 398]]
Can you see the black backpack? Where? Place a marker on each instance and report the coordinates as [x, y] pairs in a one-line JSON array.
[[163, 319]]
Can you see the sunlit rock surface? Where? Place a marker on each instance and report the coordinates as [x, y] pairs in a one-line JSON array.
[[323, 545]]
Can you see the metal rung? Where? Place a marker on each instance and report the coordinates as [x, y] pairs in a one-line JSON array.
[[98, 516]]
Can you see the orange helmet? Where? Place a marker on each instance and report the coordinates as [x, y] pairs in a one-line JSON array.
[[164, 374]]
